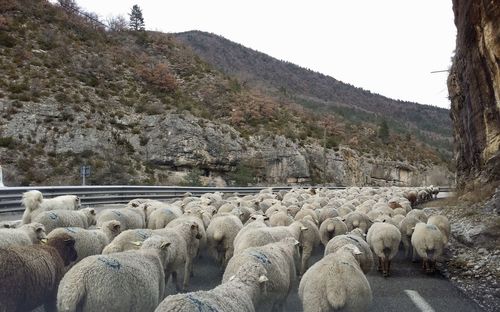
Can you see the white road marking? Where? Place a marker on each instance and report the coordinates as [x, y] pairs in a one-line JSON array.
[[419, 301]]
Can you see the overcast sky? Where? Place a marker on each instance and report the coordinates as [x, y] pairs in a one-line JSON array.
[[388, 47]]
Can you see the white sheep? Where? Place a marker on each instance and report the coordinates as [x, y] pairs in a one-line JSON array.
[[53, 219], [130, 218], [427, 241], [418, 214], [325, 213], [406, 227], [280, 218], [221, 233], [34, 203], [26, 234], [111, 282], [306, 212], [384, 239], [336, 283], [365, 259], [159, 218], [443, 225], [89, 242], [259, 236], [357, 219], [281, 261], [330, 228], [127, 240], [309, 239], [242, 292]]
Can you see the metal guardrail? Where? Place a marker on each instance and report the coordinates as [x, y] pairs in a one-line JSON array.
[[10, 197]]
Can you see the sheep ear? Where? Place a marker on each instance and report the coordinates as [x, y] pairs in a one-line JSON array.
[[6, 226], [164, 245], [39, 230], [303, 228], [413, 228], [231, 278], [44, 240], [253, 218], [116, 227], [266, 218], [137, 243], [297, 243], [194, 226], [92, 212], [263, 279]]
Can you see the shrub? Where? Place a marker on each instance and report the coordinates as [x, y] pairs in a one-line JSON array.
[[192, 178], [7, 142]]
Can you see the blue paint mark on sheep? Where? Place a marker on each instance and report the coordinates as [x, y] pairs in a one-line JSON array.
[[71, 229], [353, 238], [261, 257], [143, 234], [200, 305], [167, 210], [112, 263], [52, 215], [119, 214]]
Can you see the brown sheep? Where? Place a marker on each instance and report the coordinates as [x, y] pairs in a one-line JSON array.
[[35, 270]]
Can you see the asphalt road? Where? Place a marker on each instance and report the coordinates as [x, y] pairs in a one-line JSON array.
[[388, 293]]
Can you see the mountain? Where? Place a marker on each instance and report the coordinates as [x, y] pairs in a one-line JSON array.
[[144, 108], [320, 92]]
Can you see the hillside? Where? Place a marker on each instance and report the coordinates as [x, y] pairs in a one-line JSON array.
[[320, 92], [143, 108]]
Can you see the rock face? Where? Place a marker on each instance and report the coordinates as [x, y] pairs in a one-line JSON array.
[[474, 88], [173, 144]]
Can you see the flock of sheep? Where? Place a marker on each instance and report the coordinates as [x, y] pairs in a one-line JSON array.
[[262, 242]]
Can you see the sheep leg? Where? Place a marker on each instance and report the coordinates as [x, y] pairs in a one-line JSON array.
[[384, 267], [388, 267], [379, 268], [50, 305], [175, 281], [188, 270], [414, 255], [305, 261]]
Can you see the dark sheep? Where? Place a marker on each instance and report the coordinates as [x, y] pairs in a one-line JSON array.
[[35, 270]]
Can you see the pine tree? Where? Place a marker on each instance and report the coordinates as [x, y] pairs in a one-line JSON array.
[[383, 131], [136, 19]]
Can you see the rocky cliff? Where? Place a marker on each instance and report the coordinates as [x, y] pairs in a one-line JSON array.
[[474, 88], [142, 108]]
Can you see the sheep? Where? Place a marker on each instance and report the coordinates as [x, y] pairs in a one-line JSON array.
[[259, 236], [397, 219], [406, 227], [196, 217], [358, 232], [336, 283], [325, 213], [357, 219], [34, 203], [280, 218], [65, 218], [330, 228], [411, 196], [221, 233], [365, 259], [127, 240], [427, 241], [27, 234], [418, 214], [384, 239], [130, 218], [89, 242], [30, 275], [309, 239], [241, 293], [159, 218], [111, 282], [281, 260], [443, 225], [306, 212]]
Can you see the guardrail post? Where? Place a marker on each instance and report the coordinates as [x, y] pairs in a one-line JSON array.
[[1, 177]]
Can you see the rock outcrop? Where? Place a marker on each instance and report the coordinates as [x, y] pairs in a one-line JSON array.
[[172, 144], [474, 88]]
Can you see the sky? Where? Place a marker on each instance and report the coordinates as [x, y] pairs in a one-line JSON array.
[[388, 47]]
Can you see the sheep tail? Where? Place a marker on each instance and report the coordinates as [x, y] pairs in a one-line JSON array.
[[70, 295], [218, 235]]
